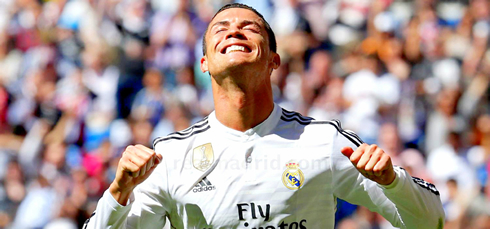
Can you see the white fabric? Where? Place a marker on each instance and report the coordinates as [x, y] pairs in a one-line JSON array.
[[243, 186]]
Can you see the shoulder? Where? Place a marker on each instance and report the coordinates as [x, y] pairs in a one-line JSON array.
[[184, 135], [295, 117], [310, 127], [341, 132]]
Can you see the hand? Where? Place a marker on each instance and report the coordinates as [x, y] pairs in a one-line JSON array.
[[135, 166], [372, 162]]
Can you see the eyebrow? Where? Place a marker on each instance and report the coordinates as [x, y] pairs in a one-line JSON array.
[[241, 24]]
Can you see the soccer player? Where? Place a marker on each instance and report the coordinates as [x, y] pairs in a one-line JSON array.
[[252, 164]]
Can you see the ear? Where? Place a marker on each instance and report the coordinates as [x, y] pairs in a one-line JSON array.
[[204, 64], [276, 61]]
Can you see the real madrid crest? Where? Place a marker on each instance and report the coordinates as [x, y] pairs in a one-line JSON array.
[[293, 177], [203, 157]]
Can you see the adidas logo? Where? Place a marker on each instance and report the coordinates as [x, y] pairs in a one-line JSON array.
[[203, 186]]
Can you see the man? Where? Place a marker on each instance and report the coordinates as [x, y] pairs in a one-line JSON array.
[[251, 164]]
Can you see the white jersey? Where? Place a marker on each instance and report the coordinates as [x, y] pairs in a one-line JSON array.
[[287, 172]]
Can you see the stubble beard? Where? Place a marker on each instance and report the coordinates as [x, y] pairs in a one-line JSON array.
[[239, 73]]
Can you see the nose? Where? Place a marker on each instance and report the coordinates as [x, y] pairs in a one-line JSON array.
[[235, 33]]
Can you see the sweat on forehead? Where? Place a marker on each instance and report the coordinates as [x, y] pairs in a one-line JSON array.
[[270, 33]]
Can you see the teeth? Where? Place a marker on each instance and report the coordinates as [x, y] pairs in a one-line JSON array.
[[234, 48]]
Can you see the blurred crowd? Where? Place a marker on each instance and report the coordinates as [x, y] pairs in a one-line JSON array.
[[82, 79]]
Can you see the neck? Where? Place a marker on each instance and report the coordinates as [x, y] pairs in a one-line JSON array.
[[242, 108]]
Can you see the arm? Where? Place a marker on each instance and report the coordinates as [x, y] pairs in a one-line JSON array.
[[117, 208], [367, 177]]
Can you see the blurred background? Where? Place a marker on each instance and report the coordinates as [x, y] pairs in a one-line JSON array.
[[82, 79]]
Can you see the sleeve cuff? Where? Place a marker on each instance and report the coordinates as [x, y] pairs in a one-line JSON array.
[[396, 184], [109, 199]]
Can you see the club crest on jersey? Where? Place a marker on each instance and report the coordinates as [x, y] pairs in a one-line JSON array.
[[203, 157], [293, 178]]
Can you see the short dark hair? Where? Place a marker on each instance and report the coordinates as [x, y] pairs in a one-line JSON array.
[[270, 33]]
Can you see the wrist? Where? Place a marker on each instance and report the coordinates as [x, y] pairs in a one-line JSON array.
[[120, 195], [392, 184]]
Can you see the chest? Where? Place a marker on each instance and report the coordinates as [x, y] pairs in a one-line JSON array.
[[254, 183]]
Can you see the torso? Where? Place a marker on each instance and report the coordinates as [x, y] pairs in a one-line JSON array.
[[277, 175]]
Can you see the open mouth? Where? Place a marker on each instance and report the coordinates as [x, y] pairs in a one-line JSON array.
[[235, 48]]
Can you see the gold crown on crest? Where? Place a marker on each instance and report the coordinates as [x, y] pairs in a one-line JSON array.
[[292, 165]]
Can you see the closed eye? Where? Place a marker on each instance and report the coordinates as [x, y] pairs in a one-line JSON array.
[[252, 28], [220, 30]]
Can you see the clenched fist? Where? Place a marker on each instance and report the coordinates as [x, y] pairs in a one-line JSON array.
[[136, 164], [372, 162]]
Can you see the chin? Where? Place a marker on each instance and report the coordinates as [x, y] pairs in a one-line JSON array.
[[235, 65], [232, 69], [239, 61]]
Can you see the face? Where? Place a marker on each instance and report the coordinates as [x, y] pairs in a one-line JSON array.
[[237, 41]]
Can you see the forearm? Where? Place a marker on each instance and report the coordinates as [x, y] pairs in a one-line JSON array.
[[108, 214], [418, 205], [120, 195], [403, 203]]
